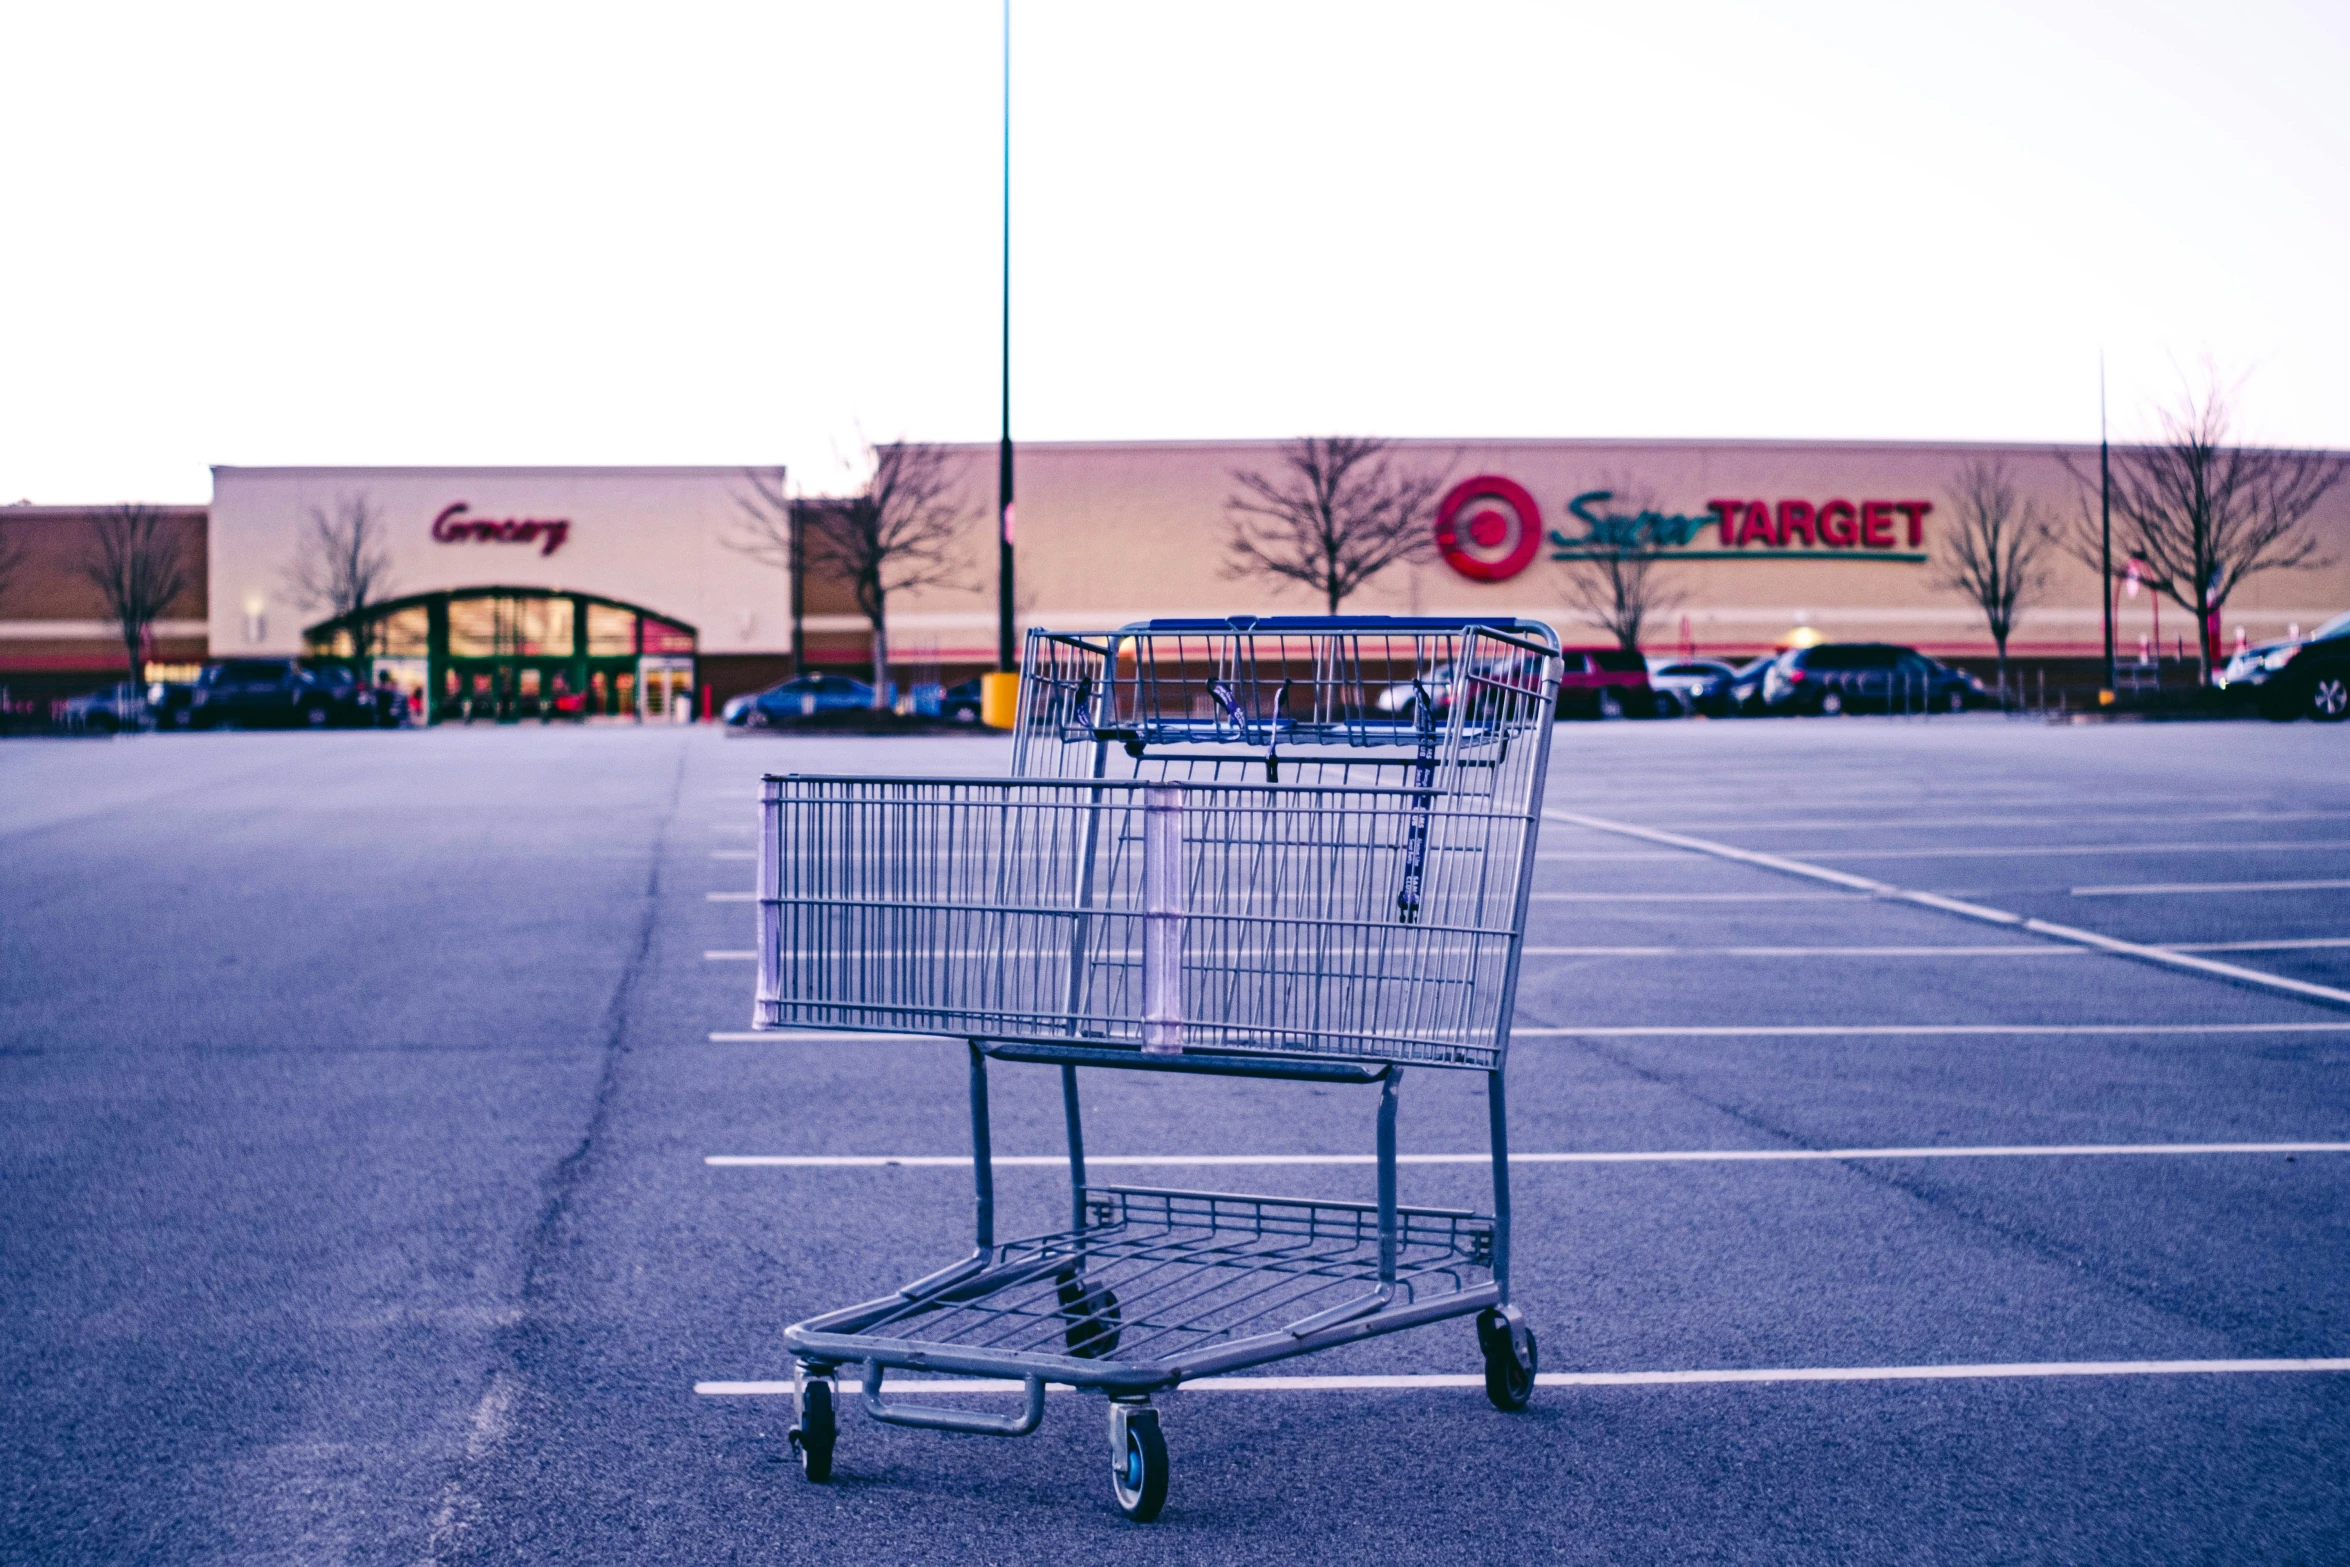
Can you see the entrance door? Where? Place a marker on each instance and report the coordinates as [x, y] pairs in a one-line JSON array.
[[665, 687]]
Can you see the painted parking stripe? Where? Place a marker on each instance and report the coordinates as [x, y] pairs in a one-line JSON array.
[[1923, 821], [2013, 1370], [2140, 889], [2295, 944], [1700, 897], [2234, 973], [1981, 852], [732, 897], [2011, 951], [771, 1036], [1689, 1156], [1909, 1030], [729, 956], [734, 854]]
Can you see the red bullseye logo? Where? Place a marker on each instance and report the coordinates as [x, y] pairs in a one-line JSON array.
[[1488, 528]]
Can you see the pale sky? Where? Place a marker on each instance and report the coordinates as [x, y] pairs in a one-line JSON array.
[[732, 234]]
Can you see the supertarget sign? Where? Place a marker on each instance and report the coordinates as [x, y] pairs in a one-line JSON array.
[[1488, 528]]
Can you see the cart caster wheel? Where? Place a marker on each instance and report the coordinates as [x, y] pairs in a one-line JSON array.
[[1509, 1381], [818, 1429], [1092, 1311], [1138, 1466]]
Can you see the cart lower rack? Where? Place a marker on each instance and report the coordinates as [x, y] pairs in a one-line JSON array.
[[1360, 917]]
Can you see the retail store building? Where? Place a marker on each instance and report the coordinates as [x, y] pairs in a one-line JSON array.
[[629, 592]]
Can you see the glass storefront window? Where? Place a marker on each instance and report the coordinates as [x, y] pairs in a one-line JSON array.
[[405, 633], [473, 628], [611, 631], [661, 637], [542, 626]]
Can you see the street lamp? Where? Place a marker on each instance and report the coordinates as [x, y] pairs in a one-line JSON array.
[[1004, 651]]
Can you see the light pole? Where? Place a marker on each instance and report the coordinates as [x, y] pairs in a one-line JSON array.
[[2105, 520], [1004, 651]]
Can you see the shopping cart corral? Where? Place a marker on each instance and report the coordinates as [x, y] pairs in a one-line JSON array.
[[1224, 848]]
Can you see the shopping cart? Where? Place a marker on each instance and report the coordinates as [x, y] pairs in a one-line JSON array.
[[1291, 849]]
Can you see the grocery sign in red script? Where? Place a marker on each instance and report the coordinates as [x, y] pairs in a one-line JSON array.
[[452, 526], [1489, 528]]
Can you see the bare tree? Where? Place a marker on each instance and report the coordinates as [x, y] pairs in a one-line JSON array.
[[341, 565], [768, 531], [1997, 551], [1611, 575], [139, 564], [1333, 515], [899, 533], [2201, 516], [13, 552]]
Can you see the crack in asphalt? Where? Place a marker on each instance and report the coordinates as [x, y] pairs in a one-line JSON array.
[[506, 1383]]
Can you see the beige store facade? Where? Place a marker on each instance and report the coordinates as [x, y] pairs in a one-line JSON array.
[[1835, 540], [629, 585]]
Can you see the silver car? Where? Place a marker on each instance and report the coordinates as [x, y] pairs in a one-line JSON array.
[[1688, 680]]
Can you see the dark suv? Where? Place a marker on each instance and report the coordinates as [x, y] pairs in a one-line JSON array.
[[277, 692], [1861, 677], [2288, 680]]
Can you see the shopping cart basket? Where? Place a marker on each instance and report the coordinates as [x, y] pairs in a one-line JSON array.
[[1290, 849]]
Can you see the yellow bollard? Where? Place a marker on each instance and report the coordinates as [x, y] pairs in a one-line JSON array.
[[999, 699]]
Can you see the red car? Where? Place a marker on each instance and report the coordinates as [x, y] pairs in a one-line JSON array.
[[1605, 682]]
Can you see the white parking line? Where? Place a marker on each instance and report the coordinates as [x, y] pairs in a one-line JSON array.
[[2031, 951], [771, 1036], [1692, 1156], [2026, 1369], [1897, 1030], [717, 955], [732, 897], [1923, 820], [734, 854], [1700, 897], [2038, 950], [1975, 911], [1980, 852], [2143, 888], [813, 1036]]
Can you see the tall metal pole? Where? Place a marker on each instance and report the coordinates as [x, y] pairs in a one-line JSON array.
[[1004, 651], [2105, 519]]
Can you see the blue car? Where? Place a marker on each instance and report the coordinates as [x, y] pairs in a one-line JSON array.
[[799, 697]]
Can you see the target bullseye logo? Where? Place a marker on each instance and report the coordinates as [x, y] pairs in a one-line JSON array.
[[1488, 528]]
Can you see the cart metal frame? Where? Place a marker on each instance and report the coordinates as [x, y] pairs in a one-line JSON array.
[[1316, 871]]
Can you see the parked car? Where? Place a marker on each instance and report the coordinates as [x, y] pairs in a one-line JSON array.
[[114, 708], [277, 692], [169, 702], [1849, 677], [1403, 696], [797, 697], [1605, 682], [960, 703], [1688, 681], [1740, 696], [2292, 679]]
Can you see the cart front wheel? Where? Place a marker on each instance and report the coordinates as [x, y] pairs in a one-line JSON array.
[[1092, 1315], [1509, 1381], [1138, 1473], [818, 1429]]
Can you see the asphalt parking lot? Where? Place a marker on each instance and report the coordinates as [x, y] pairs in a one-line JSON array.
[[362, 1092]]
